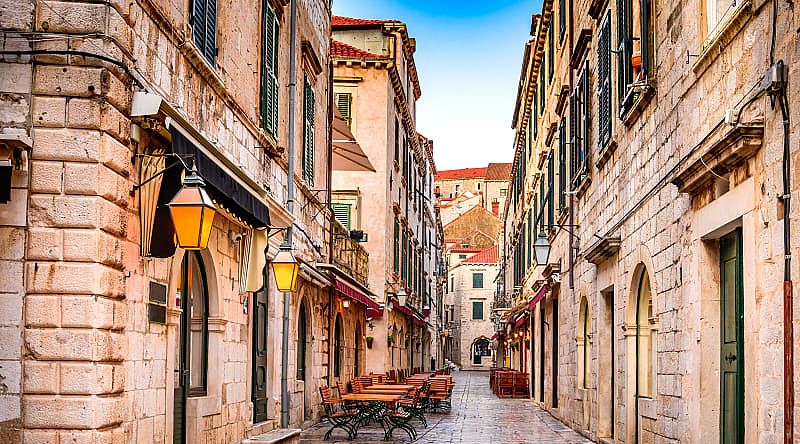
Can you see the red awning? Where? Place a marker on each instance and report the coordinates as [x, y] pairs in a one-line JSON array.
[[539, 296], [374, 309], [417, 321], [521, 320]]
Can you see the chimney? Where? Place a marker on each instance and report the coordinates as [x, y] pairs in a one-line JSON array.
[[496, 208]]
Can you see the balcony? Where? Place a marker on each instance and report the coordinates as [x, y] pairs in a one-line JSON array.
[[502, 302], [349, 256]]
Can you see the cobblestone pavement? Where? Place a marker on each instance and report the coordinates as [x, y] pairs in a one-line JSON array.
[[477, 417]]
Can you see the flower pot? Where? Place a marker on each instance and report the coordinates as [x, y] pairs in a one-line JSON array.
[[369, 341], [636, 61]]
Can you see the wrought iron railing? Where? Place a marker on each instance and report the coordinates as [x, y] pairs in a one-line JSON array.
[[502, 301], [349, 255]]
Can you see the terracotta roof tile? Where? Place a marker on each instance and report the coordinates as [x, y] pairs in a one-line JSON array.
[[340, 49], [486, 256], [338, 21], [498, 171], [463, 173]]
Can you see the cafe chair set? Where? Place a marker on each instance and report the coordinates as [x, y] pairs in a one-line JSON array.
[[509, 383]]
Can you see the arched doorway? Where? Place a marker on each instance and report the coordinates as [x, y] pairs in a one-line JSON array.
[[302, 341], [480, 348], [191, 348]]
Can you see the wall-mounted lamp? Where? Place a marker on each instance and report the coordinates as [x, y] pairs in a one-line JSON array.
[[284, 267], [402, 297], [192, 212], [346, 303]]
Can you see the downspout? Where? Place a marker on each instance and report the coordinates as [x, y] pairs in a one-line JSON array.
[[331, 219], [571, 196], [788, 326], [290, 208]]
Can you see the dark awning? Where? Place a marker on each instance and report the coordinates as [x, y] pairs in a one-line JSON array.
[[221, 186]]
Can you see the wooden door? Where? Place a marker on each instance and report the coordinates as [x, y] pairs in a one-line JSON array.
[[731, 340], [259, 394]]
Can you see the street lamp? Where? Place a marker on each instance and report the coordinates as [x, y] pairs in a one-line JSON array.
[[346, 303], [402, 297], [192, 212], [284, 267], [541, 249]]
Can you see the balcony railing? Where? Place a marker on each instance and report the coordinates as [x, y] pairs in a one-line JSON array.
[[349, 255], [502, 301]]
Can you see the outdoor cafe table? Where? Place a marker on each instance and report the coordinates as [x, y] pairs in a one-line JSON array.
[[391, 387], [386, 391], [373, 408]]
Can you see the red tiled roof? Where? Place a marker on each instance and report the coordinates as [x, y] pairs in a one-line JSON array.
[[486, 256], [464, 250], [338, 21], [344, 50], [463, 173], [498, 171]]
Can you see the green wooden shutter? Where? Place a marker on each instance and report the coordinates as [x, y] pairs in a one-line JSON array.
[[477, 310], [477, 280], [204, 27], [573, 134], [584, 145], [308, 133], [604, 82], [529, 246], [344, 101], [269, 70], [562, 164], [342, 213], [551, 177], [562, 20], [542, 203], [624, 50], [541, 90], [534, 118]]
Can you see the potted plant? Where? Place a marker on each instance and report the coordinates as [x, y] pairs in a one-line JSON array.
[[390, 339], [369, 341]]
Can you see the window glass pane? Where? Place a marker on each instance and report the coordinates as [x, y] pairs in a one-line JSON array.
[[198, 324], [477, 280], [477, 310]]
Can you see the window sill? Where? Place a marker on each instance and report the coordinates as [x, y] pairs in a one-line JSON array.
[[605, 154], [580, 188], [719, 40], [633, 112]]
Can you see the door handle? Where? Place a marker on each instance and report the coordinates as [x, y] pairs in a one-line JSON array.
[[730, 358]]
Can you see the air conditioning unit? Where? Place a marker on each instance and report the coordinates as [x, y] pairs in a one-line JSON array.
[[359, 235]]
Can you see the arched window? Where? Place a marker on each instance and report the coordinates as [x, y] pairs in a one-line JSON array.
[[480, 348], [302, 332], [193, 344], [584, 346], [644, 359], [337, 346]]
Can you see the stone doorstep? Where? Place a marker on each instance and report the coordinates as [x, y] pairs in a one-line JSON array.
[[275, 436]]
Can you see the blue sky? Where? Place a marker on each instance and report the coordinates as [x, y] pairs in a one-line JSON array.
[[468, 56]]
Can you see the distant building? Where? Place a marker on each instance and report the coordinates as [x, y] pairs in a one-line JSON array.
[[490, 183]]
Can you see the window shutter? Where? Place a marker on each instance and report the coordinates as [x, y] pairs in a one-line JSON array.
[[573, 134], [562, 20], [210, 50], [551, 178], [308, 133], [585, 114], [534, 118], [396, 245], [550, 54], [199, 24], [542, 203], [562, 165], [604, 83], [477, 280], [269, 70], [541, 90], [624, 71], [342, 213], [530, 239], [344, 101]]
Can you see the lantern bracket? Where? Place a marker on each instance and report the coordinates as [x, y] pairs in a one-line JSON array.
[[277, 231], [180, 161]]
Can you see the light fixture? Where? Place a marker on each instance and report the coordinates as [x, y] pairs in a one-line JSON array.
[[192, 213], [402, 297], [541, 249], [346, 303], [284, 267]]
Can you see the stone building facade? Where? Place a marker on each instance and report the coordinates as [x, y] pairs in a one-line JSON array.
[[376, 88], [650, 157], [471, 296], [489, 183], [108, 332]]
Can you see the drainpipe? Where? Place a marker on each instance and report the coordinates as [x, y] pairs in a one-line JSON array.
[[331, 220], [290, 208]]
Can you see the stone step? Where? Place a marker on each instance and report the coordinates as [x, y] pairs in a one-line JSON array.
[[284, 436]]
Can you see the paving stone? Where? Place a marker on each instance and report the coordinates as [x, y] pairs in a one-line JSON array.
[[477, 417]]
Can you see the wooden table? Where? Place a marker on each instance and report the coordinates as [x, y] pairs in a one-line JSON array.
[[385, 391], [391, 386], [372, 397]]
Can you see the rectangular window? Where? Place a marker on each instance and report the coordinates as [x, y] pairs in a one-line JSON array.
[[477, 310], [270, 35], [344, 102], [531, 235], [541, 90], [604, 83], [580, 126], [405, 257], [635, 50], [562, 20], [342, 213], [562, 165], [204, 28], [542, 204], [535, 119], [396, 245], [551, 54], [308, 132], [477, 280], [397, 141]]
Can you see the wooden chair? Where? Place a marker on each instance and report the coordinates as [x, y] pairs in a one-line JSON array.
[[338, 417], [366, 381], [439, 394], [505, 384], [415, 405], [356, 385]]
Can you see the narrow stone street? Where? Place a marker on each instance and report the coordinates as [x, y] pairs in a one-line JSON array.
[[477, 417]]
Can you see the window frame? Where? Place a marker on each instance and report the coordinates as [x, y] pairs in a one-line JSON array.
[[270, 39], [477, 279], [476, 304]]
